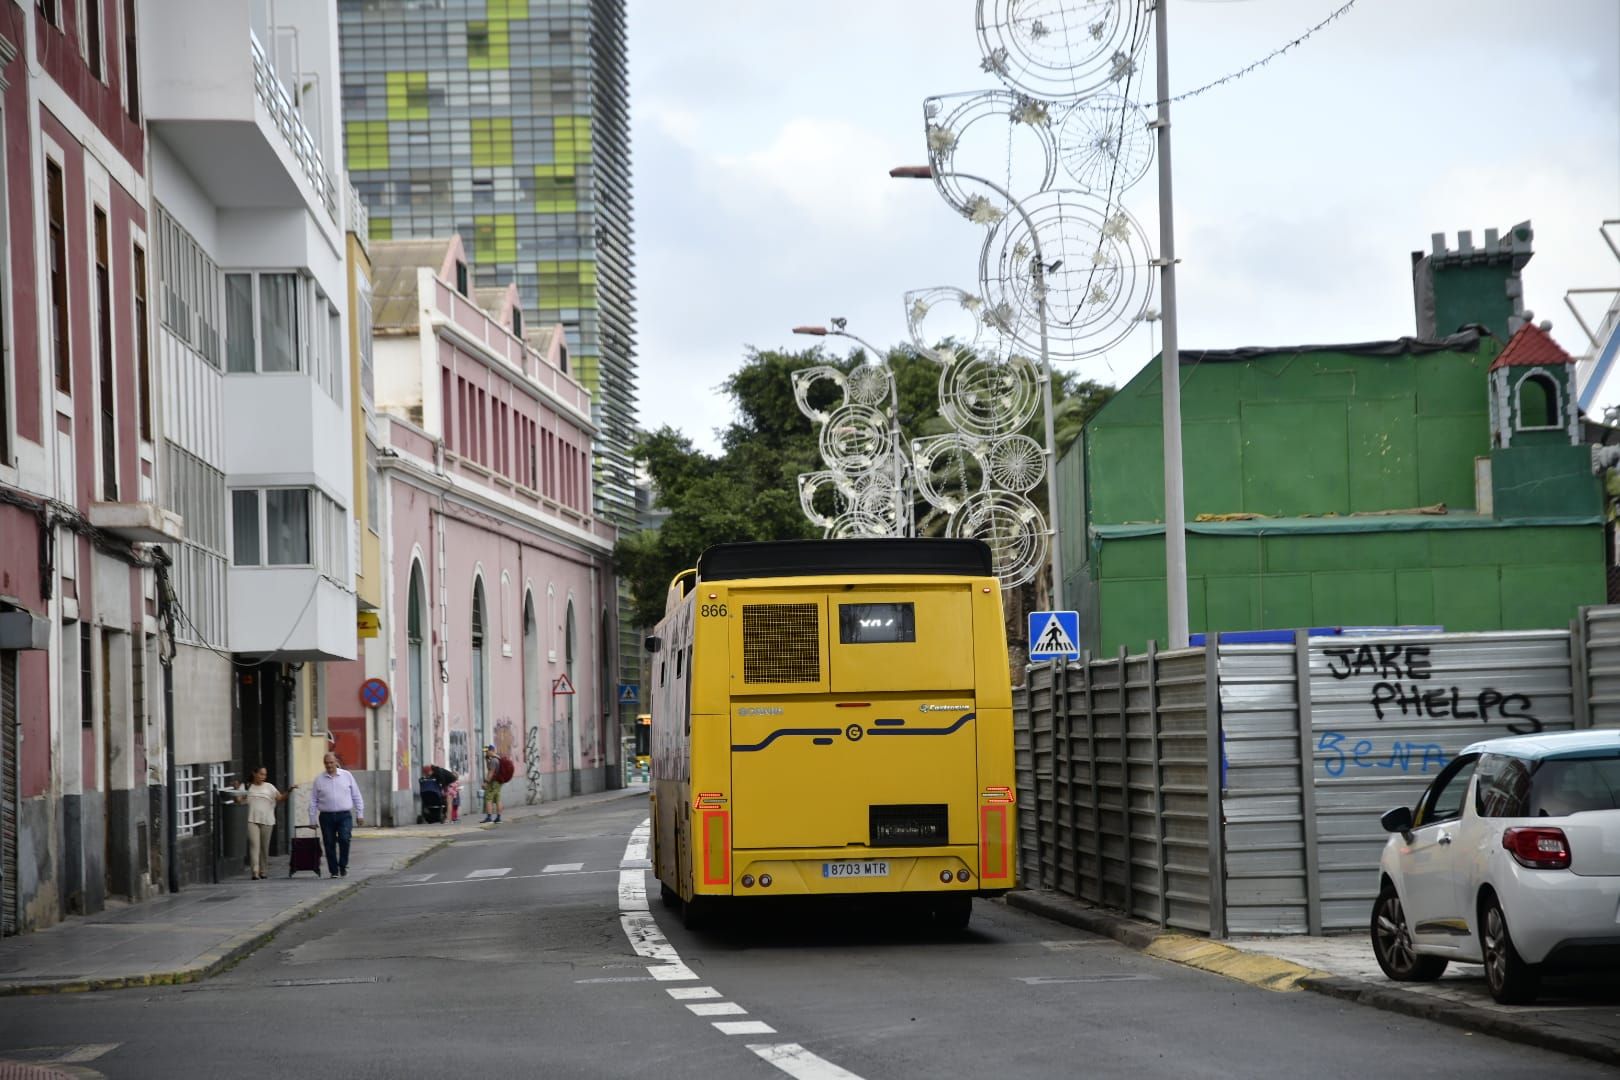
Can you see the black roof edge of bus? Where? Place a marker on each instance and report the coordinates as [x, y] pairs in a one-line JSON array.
[[822, 558]]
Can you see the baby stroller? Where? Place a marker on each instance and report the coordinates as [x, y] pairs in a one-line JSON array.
[[433, 801]]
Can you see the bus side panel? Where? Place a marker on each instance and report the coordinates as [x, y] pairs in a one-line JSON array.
[[671, 748], [709, 805], [998, 832]]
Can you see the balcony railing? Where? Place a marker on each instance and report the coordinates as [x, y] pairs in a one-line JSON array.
[[359, 218], [280, 105]]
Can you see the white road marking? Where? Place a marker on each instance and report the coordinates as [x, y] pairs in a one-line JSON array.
[[1057, 980], [616, 979], [472, 881], [494, 871], [800, 1063], [648, 941], [63, 1055], [403, 879], [562, 867]]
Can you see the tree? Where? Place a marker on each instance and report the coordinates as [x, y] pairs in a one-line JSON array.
[[749, 491]]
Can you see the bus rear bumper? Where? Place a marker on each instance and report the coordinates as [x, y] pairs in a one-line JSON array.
[[863, 871]]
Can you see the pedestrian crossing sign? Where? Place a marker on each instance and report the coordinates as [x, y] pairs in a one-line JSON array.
[[1054, 634]]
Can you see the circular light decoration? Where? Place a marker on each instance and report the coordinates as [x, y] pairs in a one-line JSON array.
[[1061, 49], [948, 469], [988, 132], [944, 322], [985, 398], [1105, 144], [1095, 275], [822, 497], [1011, 525], [870, 384], [855, 440], [1017, 462], [805, 382], [856, 525]]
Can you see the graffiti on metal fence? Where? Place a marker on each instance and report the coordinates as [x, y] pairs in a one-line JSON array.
[[1400, 755], [1404, 685]]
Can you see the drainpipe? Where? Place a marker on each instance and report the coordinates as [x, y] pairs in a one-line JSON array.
[[171, 801]]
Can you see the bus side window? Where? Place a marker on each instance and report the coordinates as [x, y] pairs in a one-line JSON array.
[[688, 686]]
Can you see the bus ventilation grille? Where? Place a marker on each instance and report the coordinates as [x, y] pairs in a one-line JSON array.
[[781, 643]]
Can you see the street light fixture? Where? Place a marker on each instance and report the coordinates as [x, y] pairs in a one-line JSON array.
[[904, 512], [1037, 274]]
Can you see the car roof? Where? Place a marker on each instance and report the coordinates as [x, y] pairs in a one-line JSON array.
[[1548, 743]]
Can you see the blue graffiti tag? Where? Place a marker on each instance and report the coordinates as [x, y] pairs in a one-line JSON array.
[[1362, 754]]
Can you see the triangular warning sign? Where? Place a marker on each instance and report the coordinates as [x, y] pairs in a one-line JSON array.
[[1053, 638], [562, 685]]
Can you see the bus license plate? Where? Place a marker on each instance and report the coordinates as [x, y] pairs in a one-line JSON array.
[[854, 869]]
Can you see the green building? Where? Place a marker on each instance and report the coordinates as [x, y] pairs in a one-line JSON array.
[[1409, 482]]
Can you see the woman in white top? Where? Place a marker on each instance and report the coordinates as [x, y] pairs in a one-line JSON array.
[[261, 797]]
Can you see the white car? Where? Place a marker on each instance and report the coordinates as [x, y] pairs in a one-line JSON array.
[[1510, 859]]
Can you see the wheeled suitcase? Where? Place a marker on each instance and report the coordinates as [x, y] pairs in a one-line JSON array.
[[305, 853], [432, 801]]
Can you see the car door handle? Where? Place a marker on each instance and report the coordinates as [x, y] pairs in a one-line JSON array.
[[1444, 839]]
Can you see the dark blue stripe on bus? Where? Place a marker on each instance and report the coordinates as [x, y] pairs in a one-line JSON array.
[[964, 718], [889, 721], [779, 732], [822, 742]]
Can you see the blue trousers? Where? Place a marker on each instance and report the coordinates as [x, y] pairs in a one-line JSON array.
[[336, 825]]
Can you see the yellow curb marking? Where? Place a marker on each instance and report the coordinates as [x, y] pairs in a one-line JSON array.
[[1256, 969]]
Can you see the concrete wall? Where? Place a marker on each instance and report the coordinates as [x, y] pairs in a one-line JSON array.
[[202, 706]]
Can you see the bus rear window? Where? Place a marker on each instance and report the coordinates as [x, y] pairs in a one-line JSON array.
[[875, 624]]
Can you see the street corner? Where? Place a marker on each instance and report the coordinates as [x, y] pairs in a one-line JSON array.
[[1245, 965]]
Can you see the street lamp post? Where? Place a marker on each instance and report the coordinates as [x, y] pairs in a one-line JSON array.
[[1037, 275], [904, 512], [1175, 507]]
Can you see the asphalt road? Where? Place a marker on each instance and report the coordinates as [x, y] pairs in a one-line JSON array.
[[525, 952]]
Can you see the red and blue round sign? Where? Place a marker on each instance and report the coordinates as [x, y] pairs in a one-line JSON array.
[[373, 693]]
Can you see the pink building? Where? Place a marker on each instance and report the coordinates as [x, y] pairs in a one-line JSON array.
[[81, 776], [499, 589]]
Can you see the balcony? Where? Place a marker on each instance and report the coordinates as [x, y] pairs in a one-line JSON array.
[[138, 522], [289, 613], [214, 97]]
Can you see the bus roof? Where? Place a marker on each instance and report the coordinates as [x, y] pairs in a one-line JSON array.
[[820, 558]]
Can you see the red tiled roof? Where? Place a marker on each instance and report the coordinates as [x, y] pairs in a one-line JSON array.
[[1532, 347]]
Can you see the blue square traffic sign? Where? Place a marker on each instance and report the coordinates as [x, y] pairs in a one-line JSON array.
[[1054, 634]]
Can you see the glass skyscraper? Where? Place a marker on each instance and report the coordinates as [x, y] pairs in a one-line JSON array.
[[508, 122]]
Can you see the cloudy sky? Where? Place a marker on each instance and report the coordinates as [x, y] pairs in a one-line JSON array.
[[764, 131]]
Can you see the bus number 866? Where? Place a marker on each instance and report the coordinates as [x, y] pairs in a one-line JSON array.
[[713, 610]]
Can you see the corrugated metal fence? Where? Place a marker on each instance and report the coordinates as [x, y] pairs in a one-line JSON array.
[[1311, 742]]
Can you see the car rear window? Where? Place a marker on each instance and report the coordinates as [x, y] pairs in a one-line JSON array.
[[1556, 787]]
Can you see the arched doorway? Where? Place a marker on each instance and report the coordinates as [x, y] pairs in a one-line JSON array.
[[480, 715], [532, 702], [569, 699], [416, 673]]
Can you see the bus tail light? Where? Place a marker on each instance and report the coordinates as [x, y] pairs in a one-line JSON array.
[[709, 800], [748, 881], [962, 875], [944, 877], [997, 795], [1538, 848], [993, 862], [764, 881], [716, 847]]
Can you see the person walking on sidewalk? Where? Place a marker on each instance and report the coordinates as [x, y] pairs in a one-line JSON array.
[[492, 784], [335, 806], [261, 796]]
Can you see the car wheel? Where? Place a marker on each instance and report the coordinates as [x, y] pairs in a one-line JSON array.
[[1511, 980], [1392, 942], [670, 898], [695, 913], [952, 913]]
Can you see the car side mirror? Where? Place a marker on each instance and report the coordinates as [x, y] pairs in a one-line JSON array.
[[1397, 820], [653, 643]]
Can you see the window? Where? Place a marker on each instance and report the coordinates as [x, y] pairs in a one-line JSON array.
[[87, 677], [245, 527], [239, 322], [57, 211], [517, 321], [143, 348], [189, 290], [461, 278], [49, 10], [1504, 787], [286, 526], [373, 494], [104, 356], [362, 312], [191, 798], [1444, 799], [92, 38], [132, 82], [278, 322], [1555, 787], [1538, 402]]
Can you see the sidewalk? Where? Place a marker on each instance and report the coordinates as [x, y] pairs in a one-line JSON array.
[[472, 818], [190, 935], [1575, 1015]]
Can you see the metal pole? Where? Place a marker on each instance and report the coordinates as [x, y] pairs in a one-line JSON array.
[[1037, 275], [1175, 510]]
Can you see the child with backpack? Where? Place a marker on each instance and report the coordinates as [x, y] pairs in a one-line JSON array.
[[498, 769]]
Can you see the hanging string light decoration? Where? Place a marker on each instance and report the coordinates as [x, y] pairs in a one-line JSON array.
[[1105, 144], [864, 489], [1061, 50]]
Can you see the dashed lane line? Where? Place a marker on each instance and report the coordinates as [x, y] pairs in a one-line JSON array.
[[492, 872], [562, 867], [490, 880], [648, 941]]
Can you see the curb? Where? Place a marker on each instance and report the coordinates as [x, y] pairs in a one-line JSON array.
[[234, 949], [1274, 973], [1256, 969]]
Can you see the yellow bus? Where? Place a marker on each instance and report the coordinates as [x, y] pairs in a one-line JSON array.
[[833, 717]]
